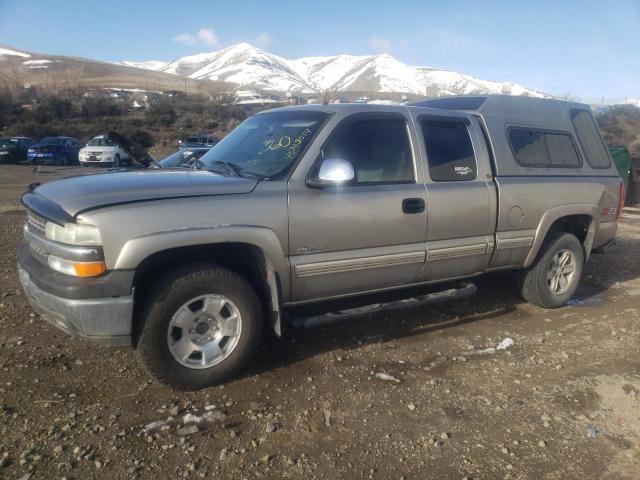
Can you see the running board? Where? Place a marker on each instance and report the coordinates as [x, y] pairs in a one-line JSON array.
[[465, 289]]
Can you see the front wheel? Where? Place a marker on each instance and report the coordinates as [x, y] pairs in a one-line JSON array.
[[201, 325], [554, 276]]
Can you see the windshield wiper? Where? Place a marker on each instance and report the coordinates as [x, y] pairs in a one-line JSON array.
[[237, 171]]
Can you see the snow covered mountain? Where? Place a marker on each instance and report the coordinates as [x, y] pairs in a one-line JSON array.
[[246, 65]]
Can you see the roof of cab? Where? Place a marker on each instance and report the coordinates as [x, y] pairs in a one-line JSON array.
[[350, 108]]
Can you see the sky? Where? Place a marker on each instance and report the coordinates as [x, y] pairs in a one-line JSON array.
[[586, 49]]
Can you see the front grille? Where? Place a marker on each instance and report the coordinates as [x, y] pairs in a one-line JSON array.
[[35, 223]]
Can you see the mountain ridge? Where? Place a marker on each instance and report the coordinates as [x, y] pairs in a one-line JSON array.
[[249, 66]]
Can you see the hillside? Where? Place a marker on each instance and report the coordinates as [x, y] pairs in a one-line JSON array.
[[246, 65], [18, 67]]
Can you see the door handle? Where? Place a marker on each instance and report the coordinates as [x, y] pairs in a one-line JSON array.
[[413, 205]]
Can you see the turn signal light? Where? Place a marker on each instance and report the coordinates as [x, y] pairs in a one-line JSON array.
[[89, 269]]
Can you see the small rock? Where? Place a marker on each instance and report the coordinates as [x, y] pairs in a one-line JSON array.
[[188, 430], [411, 407], [444, 435], [271, 427], [327, 418], [542, 444]]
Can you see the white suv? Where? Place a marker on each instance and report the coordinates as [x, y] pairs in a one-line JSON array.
[[102, 150]]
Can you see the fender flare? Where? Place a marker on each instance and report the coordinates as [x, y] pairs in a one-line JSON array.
[[276, 273], [552, 215]]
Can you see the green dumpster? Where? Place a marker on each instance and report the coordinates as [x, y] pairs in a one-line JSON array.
[[622, 161]]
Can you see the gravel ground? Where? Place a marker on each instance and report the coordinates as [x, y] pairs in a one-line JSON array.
[[414, 394]]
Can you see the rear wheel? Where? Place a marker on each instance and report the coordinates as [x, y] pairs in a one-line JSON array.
[[201, 326], [554, 276]]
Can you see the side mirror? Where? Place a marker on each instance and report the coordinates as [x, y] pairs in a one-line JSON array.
[[333, 171]]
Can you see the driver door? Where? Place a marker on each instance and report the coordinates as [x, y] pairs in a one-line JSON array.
[[370, 234]]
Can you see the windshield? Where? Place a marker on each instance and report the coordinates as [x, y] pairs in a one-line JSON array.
[[100, 142], [265, 145], [52, 141], [182, 158], [8, 142]]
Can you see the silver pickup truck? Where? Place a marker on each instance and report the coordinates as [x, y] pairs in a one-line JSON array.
[[303, 205]]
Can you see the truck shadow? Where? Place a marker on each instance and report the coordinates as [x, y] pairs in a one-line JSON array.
[[497, 297]]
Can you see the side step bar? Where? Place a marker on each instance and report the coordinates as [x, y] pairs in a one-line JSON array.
[[465, 289]]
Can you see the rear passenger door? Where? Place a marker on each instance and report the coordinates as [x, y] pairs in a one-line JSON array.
[[461, 196]]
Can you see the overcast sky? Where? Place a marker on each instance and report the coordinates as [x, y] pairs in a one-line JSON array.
[[588, 49]]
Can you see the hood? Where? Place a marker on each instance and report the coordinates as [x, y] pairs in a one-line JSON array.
[[82, 193]]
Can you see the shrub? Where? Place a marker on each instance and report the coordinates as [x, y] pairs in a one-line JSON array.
[[161, 113], [140, 137]]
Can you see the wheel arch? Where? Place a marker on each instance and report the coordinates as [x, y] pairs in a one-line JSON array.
[[579, 219], [259, 259]]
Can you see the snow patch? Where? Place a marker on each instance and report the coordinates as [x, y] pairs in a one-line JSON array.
[[148, 65], [6, 51], [36, 62]]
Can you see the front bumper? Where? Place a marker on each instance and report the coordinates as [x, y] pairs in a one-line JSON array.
[[95, 159], [105, 320]]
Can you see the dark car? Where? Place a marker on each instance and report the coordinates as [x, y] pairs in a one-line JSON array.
[[184, 158], [14, 149], [55, 151], [199, 140]]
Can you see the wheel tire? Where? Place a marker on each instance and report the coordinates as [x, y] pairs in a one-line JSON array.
[[167, 296], [534, 284]]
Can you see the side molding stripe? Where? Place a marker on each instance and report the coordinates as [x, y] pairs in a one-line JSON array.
[[356, 264], [518, 242], [457, 252]]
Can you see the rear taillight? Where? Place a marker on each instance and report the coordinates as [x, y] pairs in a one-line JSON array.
[[620, 201]]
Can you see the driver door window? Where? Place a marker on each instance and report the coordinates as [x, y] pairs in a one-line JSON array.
[[379, 150]]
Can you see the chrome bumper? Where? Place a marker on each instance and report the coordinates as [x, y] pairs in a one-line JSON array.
[[104, 320]]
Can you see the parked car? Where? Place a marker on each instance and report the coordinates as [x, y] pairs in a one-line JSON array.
[[200, 140], [14, 149], [185, 158], [304, 205], [103, 150], [54, 151]]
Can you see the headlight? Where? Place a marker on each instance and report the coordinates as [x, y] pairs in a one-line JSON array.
[[73, 234]]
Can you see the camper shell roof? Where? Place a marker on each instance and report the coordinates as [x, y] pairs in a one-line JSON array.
[[498, 113]]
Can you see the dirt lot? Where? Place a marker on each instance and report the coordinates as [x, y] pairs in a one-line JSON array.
[[562, 402]]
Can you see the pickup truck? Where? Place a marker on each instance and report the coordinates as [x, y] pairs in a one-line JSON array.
[[317, 203]]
